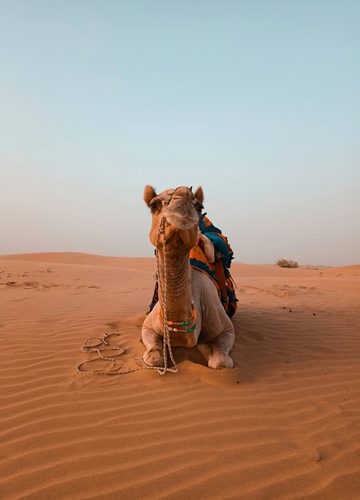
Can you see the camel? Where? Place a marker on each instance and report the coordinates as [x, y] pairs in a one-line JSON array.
[[193, 311]]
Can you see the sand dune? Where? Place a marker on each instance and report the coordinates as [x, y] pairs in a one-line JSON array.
[[283, 424]]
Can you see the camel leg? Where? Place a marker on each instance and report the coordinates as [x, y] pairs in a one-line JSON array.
[[206, 350], [153, 342], [221, 347]]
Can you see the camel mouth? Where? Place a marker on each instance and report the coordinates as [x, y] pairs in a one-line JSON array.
[[181, 222], [181, 212]]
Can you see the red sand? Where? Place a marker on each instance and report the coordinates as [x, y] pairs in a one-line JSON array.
[[283, 424]]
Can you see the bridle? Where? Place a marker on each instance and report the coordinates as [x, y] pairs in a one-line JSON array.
[[163, 287], [167, 325]]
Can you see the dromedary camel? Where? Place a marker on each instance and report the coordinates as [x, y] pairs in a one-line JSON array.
[[188, 300]]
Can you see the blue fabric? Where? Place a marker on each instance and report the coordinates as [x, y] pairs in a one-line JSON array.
[[203, 267], [206, 229], [217, 241], [220, 245]]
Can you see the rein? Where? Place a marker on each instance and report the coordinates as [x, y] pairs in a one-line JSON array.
[[167, 328], [166, 338]]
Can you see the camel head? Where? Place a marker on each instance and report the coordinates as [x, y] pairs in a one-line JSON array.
[[181, 209]]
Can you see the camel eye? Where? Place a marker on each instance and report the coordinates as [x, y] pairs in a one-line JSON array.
[[153, 206]]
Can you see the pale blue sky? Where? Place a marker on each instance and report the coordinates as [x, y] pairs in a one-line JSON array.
[[257, 101]]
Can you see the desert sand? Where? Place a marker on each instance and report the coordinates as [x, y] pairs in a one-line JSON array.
[[283, 424]]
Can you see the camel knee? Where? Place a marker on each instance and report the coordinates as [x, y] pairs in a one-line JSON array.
[[154, 357], [224, 342], [220, 360]]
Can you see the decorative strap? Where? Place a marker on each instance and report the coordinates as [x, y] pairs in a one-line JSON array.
[[183, 331], [181, 323]]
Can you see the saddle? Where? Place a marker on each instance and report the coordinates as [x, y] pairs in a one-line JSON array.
[[212, 255]]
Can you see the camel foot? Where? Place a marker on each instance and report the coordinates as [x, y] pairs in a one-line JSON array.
[[154, 357], [220, 360]]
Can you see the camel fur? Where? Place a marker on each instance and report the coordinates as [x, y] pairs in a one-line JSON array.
[[214, 333]]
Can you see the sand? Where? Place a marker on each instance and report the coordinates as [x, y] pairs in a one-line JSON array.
[[283, 424]]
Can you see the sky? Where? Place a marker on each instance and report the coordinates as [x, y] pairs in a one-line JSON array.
[[256, 101]]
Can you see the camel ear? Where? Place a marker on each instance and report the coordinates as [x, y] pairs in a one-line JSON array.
[[199, 195], [149, 194]]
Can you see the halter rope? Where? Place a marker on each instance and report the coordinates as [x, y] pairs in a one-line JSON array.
[[166, 338]]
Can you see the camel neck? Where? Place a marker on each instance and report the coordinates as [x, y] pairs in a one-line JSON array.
[[177, 285]]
